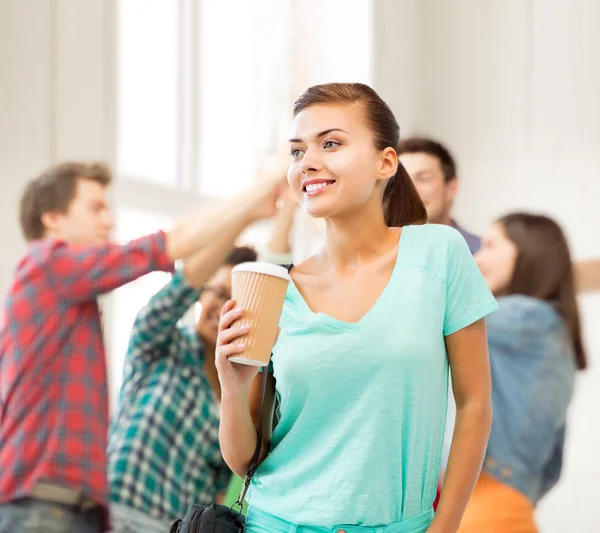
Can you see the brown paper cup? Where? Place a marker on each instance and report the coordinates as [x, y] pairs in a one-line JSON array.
[[259, 289]]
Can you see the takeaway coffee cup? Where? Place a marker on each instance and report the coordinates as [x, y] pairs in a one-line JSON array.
[[258, 288]]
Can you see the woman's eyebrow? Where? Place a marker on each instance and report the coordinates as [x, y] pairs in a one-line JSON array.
[[322, 134]]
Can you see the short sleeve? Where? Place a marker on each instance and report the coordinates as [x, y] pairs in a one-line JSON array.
[[468, 298]]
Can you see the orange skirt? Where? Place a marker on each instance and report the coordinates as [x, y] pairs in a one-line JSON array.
[[497, 508]]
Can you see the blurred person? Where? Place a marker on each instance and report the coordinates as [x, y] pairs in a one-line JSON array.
[[163, 447], [432, 168], [587, 275], [433, 171], [53, 395], [369, 325], [278, 249], [535, 348]]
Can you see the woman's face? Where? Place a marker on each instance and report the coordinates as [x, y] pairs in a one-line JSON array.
[[335, 167], [497, 259]]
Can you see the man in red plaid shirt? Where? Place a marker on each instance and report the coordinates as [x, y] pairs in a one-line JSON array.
[[53, 393]]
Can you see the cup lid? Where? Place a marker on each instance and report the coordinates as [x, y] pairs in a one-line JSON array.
[[263, 268]]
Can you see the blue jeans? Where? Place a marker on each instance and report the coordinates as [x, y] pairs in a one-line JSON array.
[[127, 520], [258, 521], [35, 516]]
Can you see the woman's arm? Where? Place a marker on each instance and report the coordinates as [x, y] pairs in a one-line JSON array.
[[471, 381], [239, 424], [241, 388]]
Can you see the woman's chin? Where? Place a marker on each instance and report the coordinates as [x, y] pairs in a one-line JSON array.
[[317, 210]]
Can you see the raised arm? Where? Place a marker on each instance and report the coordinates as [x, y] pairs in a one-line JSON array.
[[203, 238], [587, 275], [198, 230], [278, 249], [155, 326], [82, 273]]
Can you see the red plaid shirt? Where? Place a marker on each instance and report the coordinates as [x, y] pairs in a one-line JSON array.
[[53, 393]]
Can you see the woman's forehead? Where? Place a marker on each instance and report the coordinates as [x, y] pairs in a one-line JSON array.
[[319, 118]]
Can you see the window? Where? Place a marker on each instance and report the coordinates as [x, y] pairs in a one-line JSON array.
[[245, 81], [149, 87], [205, 91]]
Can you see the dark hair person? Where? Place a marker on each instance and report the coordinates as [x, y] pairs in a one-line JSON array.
[[369, 325], [535, 350]]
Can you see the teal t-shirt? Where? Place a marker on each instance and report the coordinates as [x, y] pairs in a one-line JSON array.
[[362, 406]]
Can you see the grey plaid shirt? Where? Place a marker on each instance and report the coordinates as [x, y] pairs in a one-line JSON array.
[[164, 446]]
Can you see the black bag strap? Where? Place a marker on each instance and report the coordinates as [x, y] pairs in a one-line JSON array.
[[176, 526], [259, 432]]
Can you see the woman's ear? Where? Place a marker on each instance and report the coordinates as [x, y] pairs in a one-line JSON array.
[[388, 164]]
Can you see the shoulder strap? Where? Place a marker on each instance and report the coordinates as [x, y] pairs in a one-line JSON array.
[[259, 433]]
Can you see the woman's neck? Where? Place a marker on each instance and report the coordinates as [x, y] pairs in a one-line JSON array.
[[360, 238]]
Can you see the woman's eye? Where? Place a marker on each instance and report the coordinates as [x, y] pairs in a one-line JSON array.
[[295, 152], [330, 144]]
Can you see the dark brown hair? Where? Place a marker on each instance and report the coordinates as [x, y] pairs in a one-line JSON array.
[[418, 145], [401, 203], [241, 254], [54, 191], [544, 269]]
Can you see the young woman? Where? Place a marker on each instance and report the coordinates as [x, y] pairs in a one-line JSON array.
[[535, 349], [369, 326]]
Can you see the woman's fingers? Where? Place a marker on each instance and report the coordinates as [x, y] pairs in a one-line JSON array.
[[228, 350], [228, 335], [228, 306], [228, 316]]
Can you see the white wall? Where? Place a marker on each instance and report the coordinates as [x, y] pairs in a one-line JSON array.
[[338, 49], [512, 87], [26, 119], [55, 98]]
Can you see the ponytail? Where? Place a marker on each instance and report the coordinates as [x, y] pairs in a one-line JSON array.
[[402, 204]]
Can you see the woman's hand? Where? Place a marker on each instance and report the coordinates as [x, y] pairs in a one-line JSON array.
[[235, 378]]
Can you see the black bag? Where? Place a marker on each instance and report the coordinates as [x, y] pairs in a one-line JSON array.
[[214, 518], [218, 518]]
